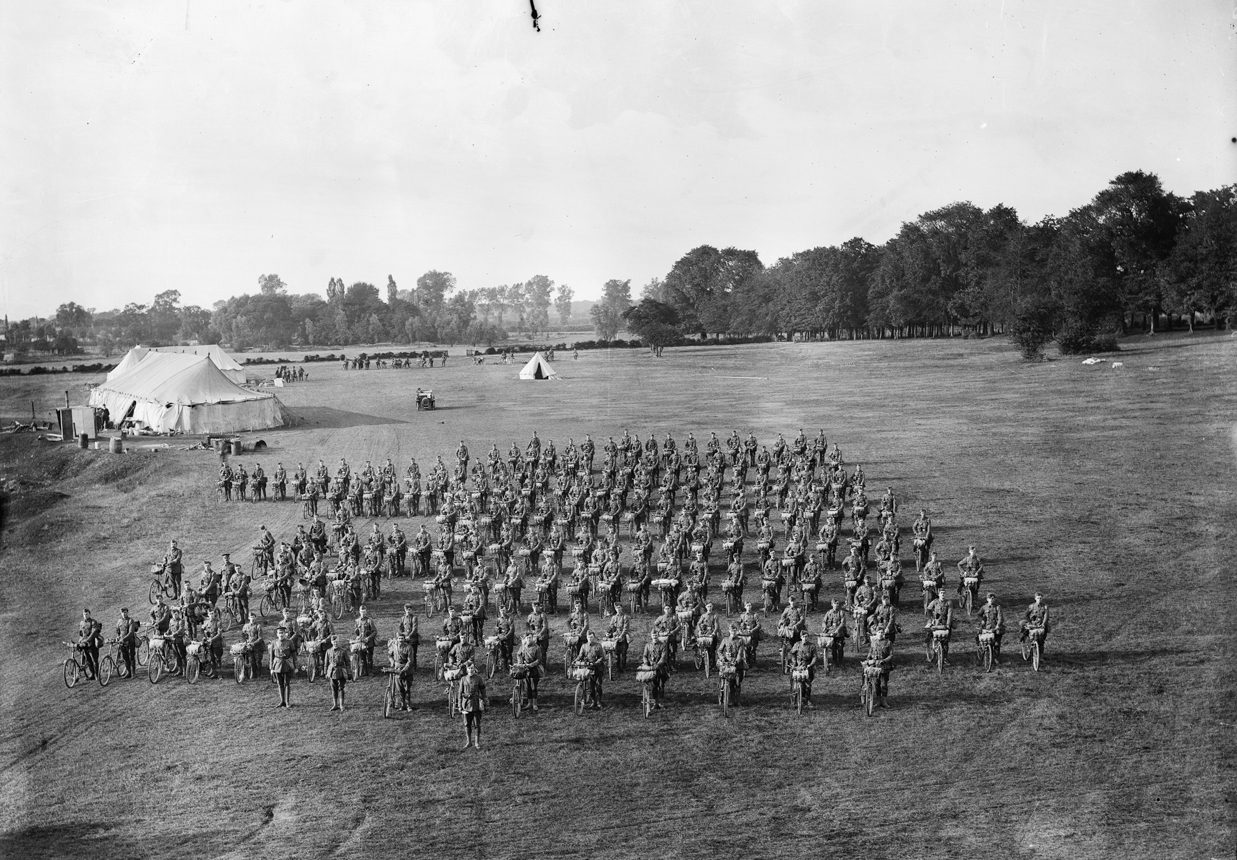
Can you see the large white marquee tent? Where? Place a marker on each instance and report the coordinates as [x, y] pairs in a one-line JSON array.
[[171, 392], [226, 363]]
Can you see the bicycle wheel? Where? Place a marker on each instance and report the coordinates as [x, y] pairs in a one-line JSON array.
[[192, 670], [156, 668], [698, 659], [238, 669], [143, 651], [646, 701], [567, 663], [579, 700], [940, 658], [438, 667], [107, 668], [337, 607], [266, 605], [71, 672], [724, 696], [867, 698], [429, 605], [797, 697], [966, 600], [610, 659], [516, 695], [1026, 649], [156, 591], [389, 703], [491, 664], [230, 617], [988, 652], [311, 667], [356, 667], [451, 704], [1035, 652]]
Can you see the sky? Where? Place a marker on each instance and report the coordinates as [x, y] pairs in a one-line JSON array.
[[196, 145]]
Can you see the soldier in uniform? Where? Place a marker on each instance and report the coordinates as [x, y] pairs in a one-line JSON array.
[[748, 625], [657, 657], [402, 664], [126, 632], [591, 653], [174, 561], [472, 704], [881, 652], [940, 616], [530, 654], [539, 628], [366, 632], [992, 619], [408, 626], [804, 655], [283, 654], [1036, 616], [886, 618], [337, 671], [619, 629], [833, 624], [90, 634]]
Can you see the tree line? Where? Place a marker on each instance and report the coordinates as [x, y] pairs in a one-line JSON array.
[[1135, 257]]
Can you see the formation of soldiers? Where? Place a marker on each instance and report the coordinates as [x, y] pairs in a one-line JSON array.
[[514, 531]]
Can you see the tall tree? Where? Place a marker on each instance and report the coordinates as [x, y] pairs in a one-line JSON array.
[[607, 314], [539, 289], [1200, 275], [271, 285], [562, 304], [432, 290], [699, 285]]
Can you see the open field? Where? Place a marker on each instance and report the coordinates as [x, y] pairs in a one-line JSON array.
[[1108, 489]]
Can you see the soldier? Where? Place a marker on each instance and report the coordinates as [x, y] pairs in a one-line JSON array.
[[881, 653], [337, 671], [805, 656], [619, 630], [592, 654], [732, 653], [409, 628], [472, 703], [709, 627], [126, 632], [283, 665], [174, 562], [539, 628], [940, 617], [259, 483], [90, 634], [280, 481], [991, 619], [366, 632], [225, 481], [252, 634], [504, 631], [886, 618], [1036, 616], [833, 624], [748, 625], [211, 583], [666, 627], [531, 655], [402, 663], [657, 658]]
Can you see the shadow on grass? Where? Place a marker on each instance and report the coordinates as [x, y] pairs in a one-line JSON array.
[[325, 416]]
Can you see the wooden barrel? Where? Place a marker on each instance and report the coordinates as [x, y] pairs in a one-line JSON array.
[[236, 447], [116, 446], [83, 441]]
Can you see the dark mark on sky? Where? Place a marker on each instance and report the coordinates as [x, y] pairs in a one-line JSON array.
[[536, 26]]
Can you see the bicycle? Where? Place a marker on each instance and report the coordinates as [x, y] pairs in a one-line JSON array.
[[231, 614], [582, 674], [702, 654], [161, 584], [452, 676], [273, 600], [519, 694], [610, 647], [313, 659], [197, 659], [831, 649], [936, 653], [493, 656], [388, 704], [727, 686], [74, 668], [1033, 646], [799, 688], [647, 678], [868, 692], [162, 658], [243, 667], [111, 664], [985, 649], [970, 593], [340, 597], [442, 646], [436, 599]]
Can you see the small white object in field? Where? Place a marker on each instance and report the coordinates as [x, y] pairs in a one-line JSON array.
[[1117, 364], [1092, 360]]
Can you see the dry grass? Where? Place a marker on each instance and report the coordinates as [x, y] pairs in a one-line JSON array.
[[1107, 489]]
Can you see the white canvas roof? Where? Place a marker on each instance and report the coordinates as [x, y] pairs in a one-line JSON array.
[[538, 368], [230, 366], [132, 357], [188, 394]]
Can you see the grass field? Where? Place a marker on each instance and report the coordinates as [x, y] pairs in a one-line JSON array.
[[1109, 489]]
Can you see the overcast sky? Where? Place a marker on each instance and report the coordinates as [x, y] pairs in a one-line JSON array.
[[197, 145]]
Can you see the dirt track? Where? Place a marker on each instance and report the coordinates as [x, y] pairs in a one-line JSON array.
[[1106, 488]]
